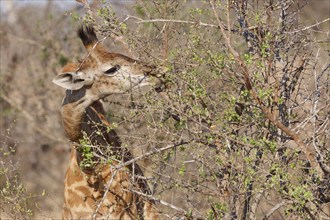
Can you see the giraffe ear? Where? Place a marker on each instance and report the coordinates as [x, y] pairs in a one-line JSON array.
[[69, 81]]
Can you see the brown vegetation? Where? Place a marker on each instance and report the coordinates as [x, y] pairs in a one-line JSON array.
[[268, 60]]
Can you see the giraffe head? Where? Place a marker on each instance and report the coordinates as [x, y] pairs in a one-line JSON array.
[[102, 73]]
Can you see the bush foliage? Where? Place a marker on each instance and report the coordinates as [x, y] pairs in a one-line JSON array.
[[240, 125]]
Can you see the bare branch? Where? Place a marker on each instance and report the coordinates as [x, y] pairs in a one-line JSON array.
[[274, 209], [140, 20], [308, 153], [152, 152], [309, 27], [255, 204], [165, 203], [203, 24], [107, 188], [87, 7]]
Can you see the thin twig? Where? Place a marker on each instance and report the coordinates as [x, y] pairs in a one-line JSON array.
[[182, 22], [309, 27], [274, 209], [152, 152], [107, 188], [314, 115], [165, 203], [169, 20], [118, 167], [87, 8], [89, 53], [254, 205]]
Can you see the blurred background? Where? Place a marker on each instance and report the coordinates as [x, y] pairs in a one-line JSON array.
[[37, 38]]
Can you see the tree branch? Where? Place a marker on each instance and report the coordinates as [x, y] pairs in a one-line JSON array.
[[274, 209], [87, 7], [308, 27], [167, 204], [308, 153], [152, 152]]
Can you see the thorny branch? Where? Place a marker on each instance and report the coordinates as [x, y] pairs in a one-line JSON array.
[[152, 152], [314, 112], [140, 20], [275, 208], [143, 156], [308, 153], [115, 37], [164, 203], [226, 30], [200, 23], [309, 27], [88, 9], [121, 165], [107, 188], [255, 204]]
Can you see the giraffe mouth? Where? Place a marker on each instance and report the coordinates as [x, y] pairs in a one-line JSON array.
[[143, 81], [139, 82]]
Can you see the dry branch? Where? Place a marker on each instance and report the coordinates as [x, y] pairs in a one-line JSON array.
[[309, 27], [308, 153]]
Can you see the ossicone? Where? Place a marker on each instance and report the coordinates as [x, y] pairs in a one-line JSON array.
[[87, 35]]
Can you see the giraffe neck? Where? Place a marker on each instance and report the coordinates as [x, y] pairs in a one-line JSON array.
[[83, 117], [84, 122], [84, 188]]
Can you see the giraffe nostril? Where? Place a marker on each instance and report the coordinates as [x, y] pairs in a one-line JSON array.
[[45, 147], [160, 87], [78, 80]]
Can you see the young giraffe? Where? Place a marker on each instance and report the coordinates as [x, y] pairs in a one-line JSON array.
[[86, 193]]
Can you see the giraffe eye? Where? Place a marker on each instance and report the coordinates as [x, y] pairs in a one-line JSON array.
[[112, 70]]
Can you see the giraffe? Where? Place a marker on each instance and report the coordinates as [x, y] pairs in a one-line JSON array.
[[95, 190]]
